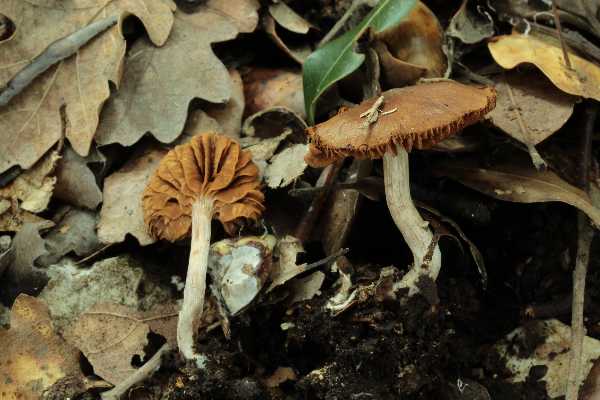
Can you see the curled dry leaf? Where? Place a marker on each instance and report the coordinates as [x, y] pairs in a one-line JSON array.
[[34, 357], [33, 188], [229, 115], [546, 54], [287, 166], [266, 88], [75, 182], [160, 82], [412, 49], [273, 122], [519, 184], [121, 211], [31, 123], [282, 14], [111, 335], [471, 26], [285, 268], [227, 175], [75, 232]]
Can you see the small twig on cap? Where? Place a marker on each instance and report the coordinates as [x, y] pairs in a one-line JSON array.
[[55, 52], [372, 114]]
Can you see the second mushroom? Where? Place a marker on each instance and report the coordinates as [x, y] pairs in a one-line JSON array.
[[209, 176], [398, 121]]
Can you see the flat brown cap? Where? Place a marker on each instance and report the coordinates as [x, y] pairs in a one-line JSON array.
[[209, 165], [425, 114]]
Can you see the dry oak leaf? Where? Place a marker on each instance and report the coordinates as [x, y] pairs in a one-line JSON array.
[[582, 80], [229, 115], [243, 13], [528, 107], [34, 357], [121, 211], [34, 187], [111, 335], [160, 83], [208, 165], [519, 184], [31, 123]]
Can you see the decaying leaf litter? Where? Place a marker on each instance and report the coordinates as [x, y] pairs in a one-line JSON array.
[[340, 144]]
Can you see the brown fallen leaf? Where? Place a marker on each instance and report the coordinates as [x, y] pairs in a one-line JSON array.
[[34, 357], [412, 49], [34, 187], [289, 19], [530, 108], [229, 115], [471, 26], [160, 82], [265, 88], [111, 335], [22, 276], [31, 123], [286, 166], [546, 54], [121, 211], [75, 182], [519, 184]]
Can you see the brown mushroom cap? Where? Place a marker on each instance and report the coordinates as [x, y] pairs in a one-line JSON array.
[[426, 114], [209, 165]]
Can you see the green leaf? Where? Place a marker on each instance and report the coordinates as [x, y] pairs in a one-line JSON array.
[[337, 58]]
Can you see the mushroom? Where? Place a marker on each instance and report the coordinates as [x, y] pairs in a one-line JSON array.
[[209, 176], [398, 121]]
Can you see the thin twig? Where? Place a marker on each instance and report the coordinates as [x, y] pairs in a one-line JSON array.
[[55, 52], [560, 37], [142, 373], [536, 158], [585, 235]]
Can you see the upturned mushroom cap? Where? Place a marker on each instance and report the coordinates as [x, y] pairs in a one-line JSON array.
[[426, 114], [209, 165]]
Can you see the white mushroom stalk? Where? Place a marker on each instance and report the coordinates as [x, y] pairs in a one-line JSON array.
[[190, 314], [414, 229]]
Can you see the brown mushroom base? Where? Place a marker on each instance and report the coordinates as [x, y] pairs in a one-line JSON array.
[[414, 229], [195, 281]]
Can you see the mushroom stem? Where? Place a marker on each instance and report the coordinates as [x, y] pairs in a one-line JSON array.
[[414, 229], [195, 281]]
